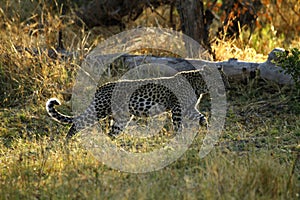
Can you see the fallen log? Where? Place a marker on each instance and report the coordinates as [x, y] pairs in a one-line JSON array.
[[234, 69]]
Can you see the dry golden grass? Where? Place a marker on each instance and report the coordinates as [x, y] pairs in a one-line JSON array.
[[257, 156], [225, 50]]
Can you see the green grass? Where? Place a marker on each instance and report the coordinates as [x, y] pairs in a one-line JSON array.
[[257, 156]]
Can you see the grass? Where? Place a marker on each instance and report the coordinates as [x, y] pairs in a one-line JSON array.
[[257, 156]]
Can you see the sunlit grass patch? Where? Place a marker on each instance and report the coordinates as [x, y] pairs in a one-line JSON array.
[[45, 169], [256, 157]]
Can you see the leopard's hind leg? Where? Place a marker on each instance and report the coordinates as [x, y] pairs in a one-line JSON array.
[[176, 118]]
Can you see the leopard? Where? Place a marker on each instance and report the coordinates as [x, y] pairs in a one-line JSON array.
[[178, 95]]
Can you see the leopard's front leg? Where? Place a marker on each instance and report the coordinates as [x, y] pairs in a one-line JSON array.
[[119, 124]]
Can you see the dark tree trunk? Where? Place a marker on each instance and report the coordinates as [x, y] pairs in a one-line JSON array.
[[192, 19]]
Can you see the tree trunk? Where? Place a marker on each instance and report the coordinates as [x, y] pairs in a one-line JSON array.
[[192, 19]]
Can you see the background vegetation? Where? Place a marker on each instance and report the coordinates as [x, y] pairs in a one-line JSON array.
[[257, 157]]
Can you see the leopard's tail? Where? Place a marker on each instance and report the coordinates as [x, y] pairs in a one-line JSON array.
[[51, 103]]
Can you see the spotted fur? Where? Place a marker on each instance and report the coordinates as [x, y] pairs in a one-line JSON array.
[[148, 97]]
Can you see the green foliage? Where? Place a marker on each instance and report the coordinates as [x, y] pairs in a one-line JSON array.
[[290, 62], [265, 39]]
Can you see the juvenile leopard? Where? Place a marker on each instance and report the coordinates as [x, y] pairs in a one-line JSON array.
[[122, 100]]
